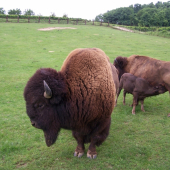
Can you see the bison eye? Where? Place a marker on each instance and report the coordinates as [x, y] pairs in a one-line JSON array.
[[40, 105]]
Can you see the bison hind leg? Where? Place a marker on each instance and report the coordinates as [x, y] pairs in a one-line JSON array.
[[142, 105]]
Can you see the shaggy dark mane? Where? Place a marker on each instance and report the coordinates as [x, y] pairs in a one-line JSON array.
[[120, 63]]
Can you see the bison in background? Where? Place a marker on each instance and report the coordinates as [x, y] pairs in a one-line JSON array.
[[139, 88], [156, 72], [80, 98]]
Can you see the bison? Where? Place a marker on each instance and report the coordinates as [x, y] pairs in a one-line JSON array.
[[139, 88], [80, 97], [156, 72]]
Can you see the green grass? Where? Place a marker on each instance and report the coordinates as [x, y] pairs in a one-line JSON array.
[[135, 142]]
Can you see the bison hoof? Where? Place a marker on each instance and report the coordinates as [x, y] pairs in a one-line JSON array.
[[91, 155], [78, 154], [133, 113]]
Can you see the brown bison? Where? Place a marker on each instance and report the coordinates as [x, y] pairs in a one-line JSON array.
[[156, 72], [139, 88], [80, 98]]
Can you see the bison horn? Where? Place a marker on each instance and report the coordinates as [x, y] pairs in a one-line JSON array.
[[47, 93], [116, 61]]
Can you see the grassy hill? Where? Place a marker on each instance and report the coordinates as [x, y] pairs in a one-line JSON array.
[[135, 142]]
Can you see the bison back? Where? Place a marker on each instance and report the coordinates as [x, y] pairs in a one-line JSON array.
[[89, 77]]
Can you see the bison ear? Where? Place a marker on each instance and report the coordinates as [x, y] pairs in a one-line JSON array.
[[55, 100], [47, 91]]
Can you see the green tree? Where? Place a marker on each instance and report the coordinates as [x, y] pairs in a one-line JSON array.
[[52, 14], [137, 7], [14, 12], [99, 18], [166, 4], [2, 11], [159, 4], [167, 15], [162, 18], [108, 16], [29, 12], [146, 16], [151, 5], [65, 16]]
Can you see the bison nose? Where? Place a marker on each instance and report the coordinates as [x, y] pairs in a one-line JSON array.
[[33, 124]]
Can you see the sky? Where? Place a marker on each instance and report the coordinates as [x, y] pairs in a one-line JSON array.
[[85, 9]]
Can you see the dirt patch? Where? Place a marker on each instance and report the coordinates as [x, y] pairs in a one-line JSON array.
[[55, 28], [123, 29]]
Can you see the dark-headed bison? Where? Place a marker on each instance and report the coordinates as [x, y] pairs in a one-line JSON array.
[[156, 72], [80, 98]]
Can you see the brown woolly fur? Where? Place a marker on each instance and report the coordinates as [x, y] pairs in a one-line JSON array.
[[115, 74], [156, 72], [83, 95]]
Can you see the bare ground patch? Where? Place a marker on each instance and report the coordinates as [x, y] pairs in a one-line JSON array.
[[55, 28], [123, 29]]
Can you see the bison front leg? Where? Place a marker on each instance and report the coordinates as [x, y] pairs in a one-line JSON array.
[[80, 147], [91, 153], [98, 137]]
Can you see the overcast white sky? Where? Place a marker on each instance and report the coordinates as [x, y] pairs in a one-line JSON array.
[[86, 9]]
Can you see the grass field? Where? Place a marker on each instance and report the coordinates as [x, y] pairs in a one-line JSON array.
[[137, 142]]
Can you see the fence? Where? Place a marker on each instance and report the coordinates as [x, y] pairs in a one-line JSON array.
[[56, 20], [50, 20]]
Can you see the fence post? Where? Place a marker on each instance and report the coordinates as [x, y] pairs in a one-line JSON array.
[[39, 20], [77, 22], [58, 20], [7, 18], [67, 20], [49, 20], [101, 23], [28, 19]]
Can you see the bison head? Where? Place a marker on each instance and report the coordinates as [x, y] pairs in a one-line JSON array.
[[120, 63], [43, 93]]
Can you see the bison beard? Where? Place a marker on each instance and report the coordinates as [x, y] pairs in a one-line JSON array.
[[80, 98], [50, 137]]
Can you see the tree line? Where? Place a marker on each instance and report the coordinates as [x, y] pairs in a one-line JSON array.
[[26, 12], [17, 12], [139, 15]]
